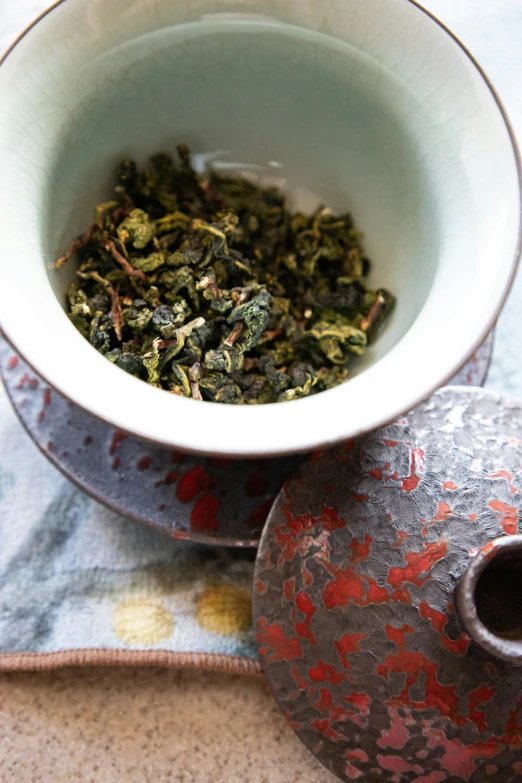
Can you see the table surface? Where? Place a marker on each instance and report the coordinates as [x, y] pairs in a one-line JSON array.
[[137, 725]]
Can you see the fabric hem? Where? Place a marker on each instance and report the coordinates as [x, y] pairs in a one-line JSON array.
[[215, 662]]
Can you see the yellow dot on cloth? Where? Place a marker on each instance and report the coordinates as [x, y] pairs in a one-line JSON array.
[[225, 609], [141, 621]]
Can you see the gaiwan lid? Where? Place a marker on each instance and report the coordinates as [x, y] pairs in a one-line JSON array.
[[388, 597]]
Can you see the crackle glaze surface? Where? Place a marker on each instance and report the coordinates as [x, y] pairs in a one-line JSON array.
[[370, 107], [354, 597], [207, 500]]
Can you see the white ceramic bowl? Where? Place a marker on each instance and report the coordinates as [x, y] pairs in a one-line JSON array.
[[368, 106]]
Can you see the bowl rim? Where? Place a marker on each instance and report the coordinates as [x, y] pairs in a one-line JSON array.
[[314, 444]]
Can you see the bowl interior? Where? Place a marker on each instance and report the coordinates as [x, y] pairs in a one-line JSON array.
[[369, 109], [284, 104]]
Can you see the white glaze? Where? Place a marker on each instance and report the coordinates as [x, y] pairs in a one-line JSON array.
[[390, 120]]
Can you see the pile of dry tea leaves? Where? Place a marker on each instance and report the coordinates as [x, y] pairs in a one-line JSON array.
[[210, 288]]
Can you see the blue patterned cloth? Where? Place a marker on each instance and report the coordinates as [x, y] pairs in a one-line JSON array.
[[74, 575]]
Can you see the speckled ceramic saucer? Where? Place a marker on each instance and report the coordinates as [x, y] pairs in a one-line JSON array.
[[206, 500]]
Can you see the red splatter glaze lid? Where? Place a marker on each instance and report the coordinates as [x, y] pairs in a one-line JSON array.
[[355, 597]]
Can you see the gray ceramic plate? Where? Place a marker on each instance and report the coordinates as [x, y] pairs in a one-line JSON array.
[[206, 500]]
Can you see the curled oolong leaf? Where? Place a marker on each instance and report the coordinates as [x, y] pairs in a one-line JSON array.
[[210, 288]]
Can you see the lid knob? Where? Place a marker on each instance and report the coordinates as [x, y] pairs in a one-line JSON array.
[[489, 598]]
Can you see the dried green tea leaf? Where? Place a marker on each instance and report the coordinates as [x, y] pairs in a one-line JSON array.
[[175, 345], [218, 388], [137, 228], [254, 316], [376, 316], [127, 361], [76, 245], [122, 261], [278, 380], [167, 318], [329, 334], [181, 382], [151, 362], [278, 301], [195, 375], [303, 378], [171, 222], [149, 263], [99, 334], [226, 358], [137, 317], [103, 212]]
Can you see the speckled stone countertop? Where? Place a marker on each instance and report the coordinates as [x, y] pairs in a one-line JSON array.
[[146, 726], [138, 726]]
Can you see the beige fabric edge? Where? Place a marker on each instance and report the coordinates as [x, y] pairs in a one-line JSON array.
[[231, 664]]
